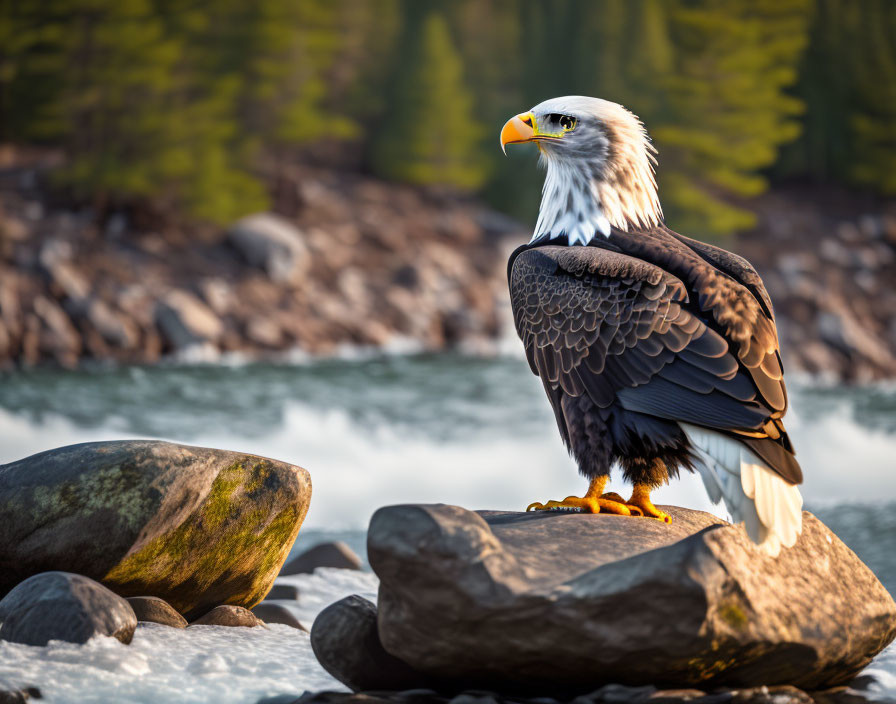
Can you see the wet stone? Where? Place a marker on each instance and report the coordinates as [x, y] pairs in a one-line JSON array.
[[226, 615]]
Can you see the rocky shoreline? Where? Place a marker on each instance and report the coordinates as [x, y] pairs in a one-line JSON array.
[[103, 544], [349, 261], [356, 262]]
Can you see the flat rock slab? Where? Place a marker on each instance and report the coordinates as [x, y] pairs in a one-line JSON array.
[[194, 526], [547, 602], [66, 607], [551, 547]]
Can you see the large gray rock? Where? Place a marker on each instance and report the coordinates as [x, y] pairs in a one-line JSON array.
[[64, 606], [194, 526], [346, 643], [533, 600], [273, 244]]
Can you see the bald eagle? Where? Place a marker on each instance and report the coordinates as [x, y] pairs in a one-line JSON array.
[[657, 352]]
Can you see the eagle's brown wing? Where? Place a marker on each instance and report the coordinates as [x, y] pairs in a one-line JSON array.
[[734, 265], [618, 329], [730, 297]]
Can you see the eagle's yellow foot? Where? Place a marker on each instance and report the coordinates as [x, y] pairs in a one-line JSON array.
[[595, 501], [641, 500], [583, 504], [612, 496]]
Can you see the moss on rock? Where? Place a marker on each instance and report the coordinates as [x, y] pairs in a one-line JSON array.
[[194, 526], [249, 546]]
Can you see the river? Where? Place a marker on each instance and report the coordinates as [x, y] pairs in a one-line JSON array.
[[472, 431]]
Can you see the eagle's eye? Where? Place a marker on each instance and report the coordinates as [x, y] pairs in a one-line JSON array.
[[567, 123]]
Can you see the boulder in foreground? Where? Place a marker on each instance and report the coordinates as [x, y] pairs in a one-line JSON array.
[[194, 526], [550, 602], [64, 606]]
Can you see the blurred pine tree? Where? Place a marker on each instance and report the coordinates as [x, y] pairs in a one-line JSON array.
[[873, 120], [184, 103], [728, 107], [30, 71], [134, 121], [356, 77], [489, 36], [848, 82], [430, 135], [281, 51]]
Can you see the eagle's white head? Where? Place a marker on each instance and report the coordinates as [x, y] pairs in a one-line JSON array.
[[599, 162]]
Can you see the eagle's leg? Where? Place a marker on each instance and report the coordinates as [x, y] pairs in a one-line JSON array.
[[592, 502], [641, 499]]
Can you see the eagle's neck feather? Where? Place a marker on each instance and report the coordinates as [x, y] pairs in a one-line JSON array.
[[615, 187]]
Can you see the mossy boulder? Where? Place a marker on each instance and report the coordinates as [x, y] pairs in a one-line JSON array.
[[195, 526]]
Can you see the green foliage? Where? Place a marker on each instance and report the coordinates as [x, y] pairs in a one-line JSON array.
[[135, 118], [431, 136], [728, 111], [30, 70], [872, 124], [281, 50], [848, 82], [190, 107]]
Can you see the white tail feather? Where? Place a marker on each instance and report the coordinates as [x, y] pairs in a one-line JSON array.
[[769, 507]]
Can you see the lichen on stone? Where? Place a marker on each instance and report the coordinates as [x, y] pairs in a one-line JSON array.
[[733, 614], [120, 486], [235, 540]]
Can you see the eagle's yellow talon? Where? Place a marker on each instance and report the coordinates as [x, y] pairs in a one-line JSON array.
[[641, 500], [587, 504], [582, 504], [595, 501]]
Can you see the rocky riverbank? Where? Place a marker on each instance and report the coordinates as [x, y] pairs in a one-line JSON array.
[[351, 261], [828, 260], [356, 262], [160, 571]]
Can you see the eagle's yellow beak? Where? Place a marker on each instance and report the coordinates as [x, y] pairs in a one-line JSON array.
[[518, 129]]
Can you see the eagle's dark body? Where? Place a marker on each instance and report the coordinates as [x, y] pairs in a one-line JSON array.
[[642, 330]]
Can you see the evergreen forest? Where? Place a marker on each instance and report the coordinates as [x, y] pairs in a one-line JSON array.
[[191, 105]]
